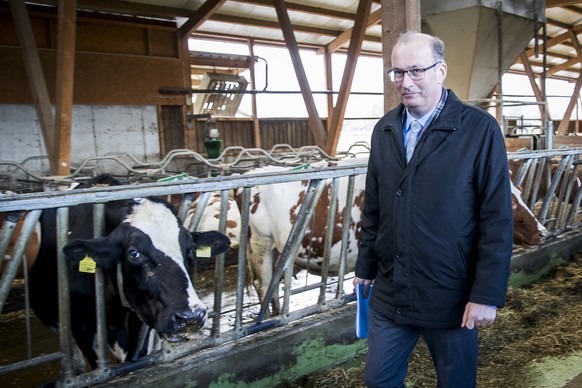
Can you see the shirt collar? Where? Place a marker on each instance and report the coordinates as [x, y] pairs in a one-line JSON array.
[[428, 118]]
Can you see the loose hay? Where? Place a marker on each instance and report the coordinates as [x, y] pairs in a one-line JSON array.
[[539, 320]]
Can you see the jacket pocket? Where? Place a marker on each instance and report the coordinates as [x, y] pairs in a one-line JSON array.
[[461, 259]]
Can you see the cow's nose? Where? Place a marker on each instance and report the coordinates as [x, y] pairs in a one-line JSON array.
[[192, 318]]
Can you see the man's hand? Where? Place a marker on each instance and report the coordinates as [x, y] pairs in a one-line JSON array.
[[478, 315], [364, 282]]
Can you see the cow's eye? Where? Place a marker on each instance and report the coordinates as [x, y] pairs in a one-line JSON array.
[[134, 254]]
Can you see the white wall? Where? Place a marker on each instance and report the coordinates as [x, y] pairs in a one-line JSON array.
[[129, 129]]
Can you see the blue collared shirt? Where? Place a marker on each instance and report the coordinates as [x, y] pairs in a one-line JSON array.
[[428, 118]]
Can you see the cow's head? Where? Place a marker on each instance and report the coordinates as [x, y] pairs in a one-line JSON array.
[[527, 230], [148, 256]]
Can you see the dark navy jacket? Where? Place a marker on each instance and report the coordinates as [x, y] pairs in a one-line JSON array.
[[437, 233]]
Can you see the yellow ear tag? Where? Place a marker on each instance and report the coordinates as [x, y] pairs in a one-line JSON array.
[[87, 265], [203, 251]]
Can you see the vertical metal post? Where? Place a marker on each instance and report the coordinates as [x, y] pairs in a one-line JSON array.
[[219, 267], [102, 345], [200, 207], [500, 62], [328, 238], [345, 236], [242, 259], [546, 120], [7, 229], [185, 205], [64, 296]]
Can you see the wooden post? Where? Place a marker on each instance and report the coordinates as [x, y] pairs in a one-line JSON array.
[[64, 89]]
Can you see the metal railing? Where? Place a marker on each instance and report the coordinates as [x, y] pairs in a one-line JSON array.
[[222, 330], [557, 210]]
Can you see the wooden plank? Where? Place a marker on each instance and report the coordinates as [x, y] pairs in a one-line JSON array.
[[64, 88], [568, 141], [513, 144]]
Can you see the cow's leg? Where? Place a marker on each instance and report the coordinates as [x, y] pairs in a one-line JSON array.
[[260, 259]]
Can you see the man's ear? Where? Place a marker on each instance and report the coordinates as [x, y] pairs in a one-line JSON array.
[[442, 72]]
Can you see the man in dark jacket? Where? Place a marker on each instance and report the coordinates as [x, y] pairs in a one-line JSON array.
[[436, 237]]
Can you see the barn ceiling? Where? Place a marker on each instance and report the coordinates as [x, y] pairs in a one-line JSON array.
[[327, 23]]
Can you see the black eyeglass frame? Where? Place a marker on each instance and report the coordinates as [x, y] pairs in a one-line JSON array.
[[415, 77]]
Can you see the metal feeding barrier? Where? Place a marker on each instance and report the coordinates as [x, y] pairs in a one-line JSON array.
[[231, 159], [236, 312]]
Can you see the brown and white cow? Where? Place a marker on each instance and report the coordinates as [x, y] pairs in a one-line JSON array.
[[568, 181], [273, 209], [211, 216], [527, 230]]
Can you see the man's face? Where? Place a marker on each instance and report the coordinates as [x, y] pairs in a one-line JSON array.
[[422, 95]]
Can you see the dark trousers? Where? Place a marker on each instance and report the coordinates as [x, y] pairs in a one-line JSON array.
[[454, 353]]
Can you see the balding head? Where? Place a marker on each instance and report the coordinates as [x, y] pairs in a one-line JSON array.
[[436, 45]]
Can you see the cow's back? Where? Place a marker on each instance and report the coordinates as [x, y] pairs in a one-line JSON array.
[[274, 209]]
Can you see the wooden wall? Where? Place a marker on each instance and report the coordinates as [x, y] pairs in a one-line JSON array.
[[239, 132], [118, 61]]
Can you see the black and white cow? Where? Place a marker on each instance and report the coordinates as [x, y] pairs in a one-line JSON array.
[[145, 255]]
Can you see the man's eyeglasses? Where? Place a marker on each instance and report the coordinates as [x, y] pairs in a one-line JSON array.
[[413, 74]]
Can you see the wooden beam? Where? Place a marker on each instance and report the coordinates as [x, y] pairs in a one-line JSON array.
[[33, 66], [576, 44], [66, 35], [413, 15], [393, 24], [562, 66], [561, 3], [552, 42], [315, 122], [555, 23], [573, 9], [338, 42], [205, 11], [339, 111], [534, 86], [563, 127]]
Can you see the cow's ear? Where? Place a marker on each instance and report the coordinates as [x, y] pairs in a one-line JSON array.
[[101, 250], [209, 244]]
